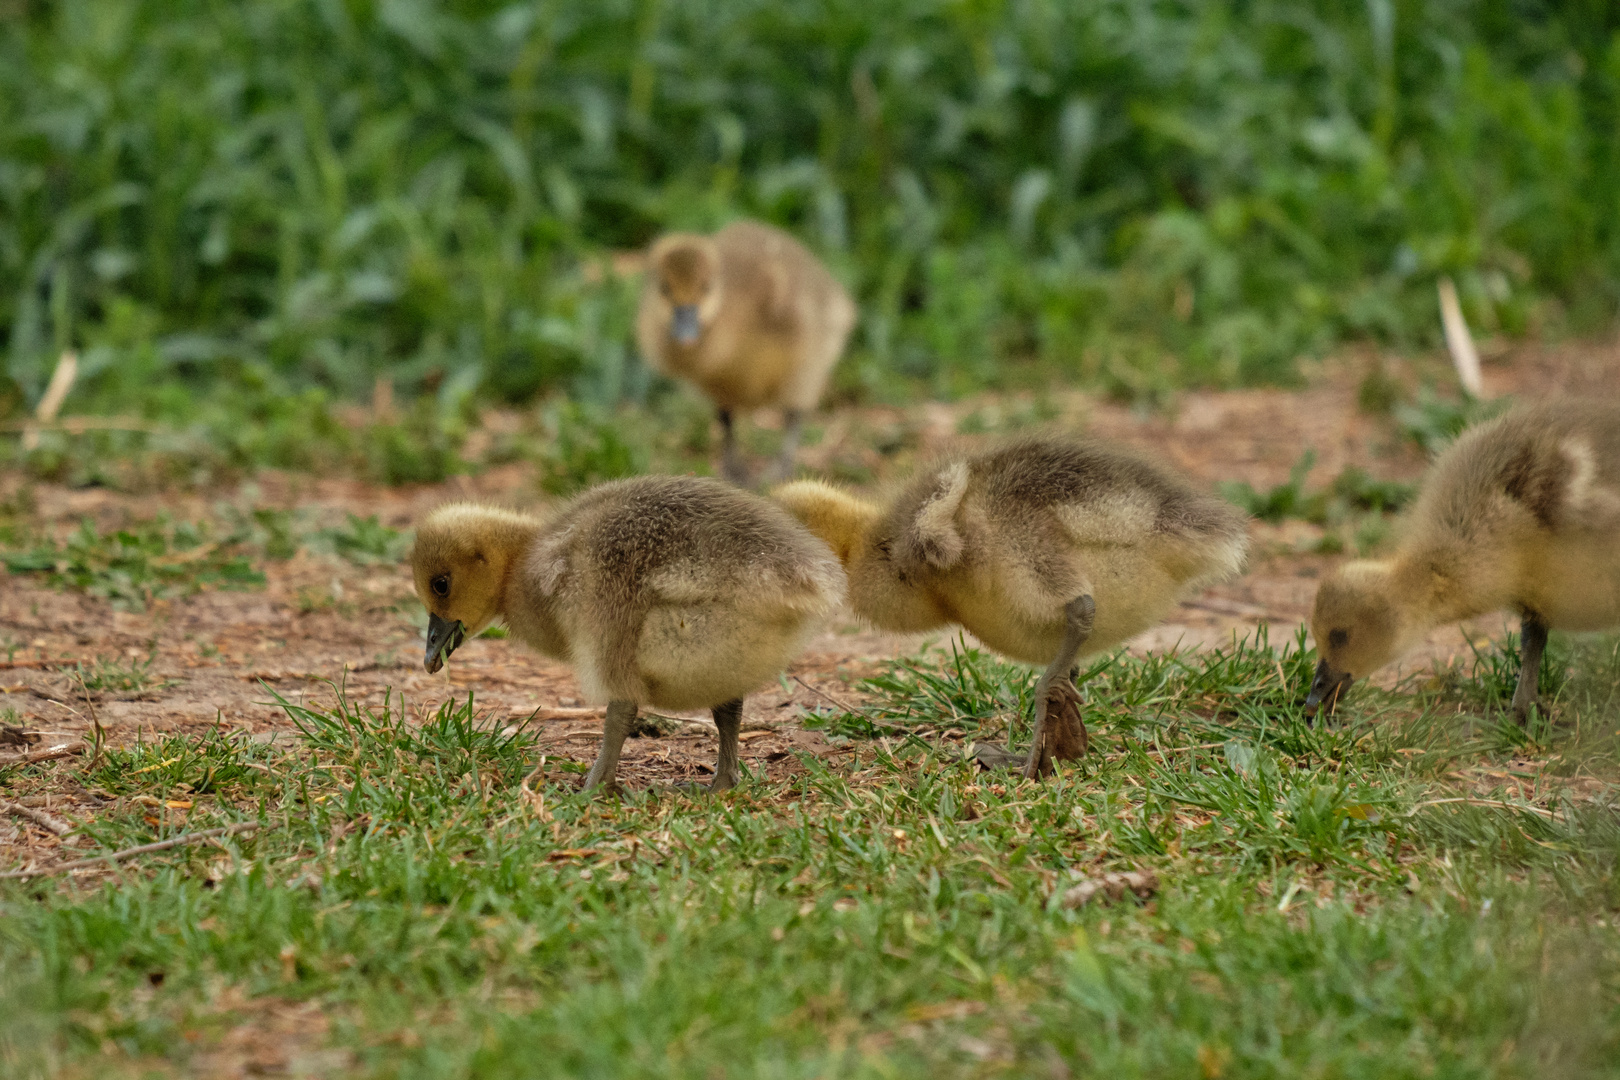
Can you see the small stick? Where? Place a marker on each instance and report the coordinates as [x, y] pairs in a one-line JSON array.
[[48, 822], [60, 662], [1459, 342], [118, 856], [37, 756]]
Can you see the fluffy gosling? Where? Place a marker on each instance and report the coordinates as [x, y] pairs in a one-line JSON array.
[[1522, 513], [753, 318], [674, 592], [1045, 550]]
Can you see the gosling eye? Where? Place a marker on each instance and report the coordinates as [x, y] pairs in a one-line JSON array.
[[1338, 639], [440, 585]]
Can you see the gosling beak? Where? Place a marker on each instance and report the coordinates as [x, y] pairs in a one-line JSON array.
[[442, 638], [684, 328], [1327, 688]]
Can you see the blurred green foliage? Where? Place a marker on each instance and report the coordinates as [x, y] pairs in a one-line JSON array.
[[256, 207]]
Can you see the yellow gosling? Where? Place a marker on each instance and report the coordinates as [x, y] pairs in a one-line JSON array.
[[1044, 549], [673, 592], [751, 317], [1521, 513]]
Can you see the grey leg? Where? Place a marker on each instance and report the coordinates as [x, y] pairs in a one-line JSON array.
[[1060, 733], [620, 716], [793, 424], [1532, 642], [728, 718], [731, 462]]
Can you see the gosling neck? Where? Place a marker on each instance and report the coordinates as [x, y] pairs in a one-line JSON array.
[[841, 520], [1445, 581]]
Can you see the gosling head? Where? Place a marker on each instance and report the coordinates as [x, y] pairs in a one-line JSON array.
[[1356, 624], [686, 269], [460, 563]]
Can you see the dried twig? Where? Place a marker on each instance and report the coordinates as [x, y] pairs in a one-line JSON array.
[[48, 822], [127, 853], [36, 756]]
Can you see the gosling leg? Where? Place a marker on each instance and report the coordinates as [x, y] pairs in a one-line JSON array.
[[793, 424], [1060, 733], [621, 715], [728, 718], [731, 462], [1532, 643]]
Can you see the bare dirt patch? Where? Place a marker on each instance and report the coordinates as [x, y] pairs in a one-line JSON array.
[[322, 623]]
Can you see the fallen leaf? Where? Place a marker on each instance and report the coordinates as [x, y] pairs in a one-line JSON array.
[[572, 853], [1111, 887]]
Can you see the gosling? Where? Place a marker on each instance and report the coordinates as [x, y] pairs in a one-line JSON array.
[[750, 316], [1045, 550], [674, 592], [1521, 513]]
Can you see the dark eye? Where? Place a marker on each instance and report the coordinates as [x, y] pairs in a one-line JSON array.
[[1338, 638], [441, 585]]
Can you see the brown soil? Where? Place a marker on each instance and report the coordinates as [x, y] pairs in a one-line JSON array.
[[322, 622]]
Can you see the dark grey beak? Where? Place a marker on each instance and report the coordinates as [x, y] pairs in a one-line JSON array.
[[1327, 688], [684, 327], [442, 638]]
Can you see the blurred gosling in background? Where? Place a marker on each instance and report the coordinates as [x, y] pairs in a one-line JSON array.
[[1520, 513], [1045, 550], [751, 317], [674, 592]]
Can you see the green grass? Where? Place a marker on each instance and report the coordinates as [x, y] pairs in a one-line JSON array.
[[134, 566], [1377, 898], [241, 213]]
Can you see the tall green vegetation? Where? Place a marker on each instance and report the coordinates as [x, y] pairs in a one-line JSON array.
[[286, 195]]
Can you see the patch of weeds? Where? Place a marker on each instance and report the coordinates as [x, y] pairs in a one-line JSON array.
[[279, 542], [401, 768], [115, 676], [1352, 508], [585, 447], [218, 762], [1283, 501], [969, 690], [365, 541], [148, 561], [421, 449], [1433, 421]]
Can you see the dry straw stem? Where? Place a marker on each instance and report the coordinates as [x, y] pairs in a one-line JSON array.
[[1497, 804], [1459, 342], [49, 822], [128, 853], [67, 370]]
